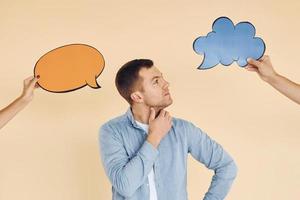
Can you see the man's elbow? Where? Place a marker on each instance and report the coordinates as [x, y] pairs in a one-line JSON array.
[[124, 187], [228, 171], [233, 170], [126, 193]]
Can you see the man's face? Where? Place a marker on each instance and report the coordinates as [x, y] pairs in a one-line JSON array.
[[155, 91]]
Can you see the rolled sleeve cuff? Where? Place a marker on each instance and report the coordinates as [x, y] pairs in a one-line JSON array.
[[148, 151]]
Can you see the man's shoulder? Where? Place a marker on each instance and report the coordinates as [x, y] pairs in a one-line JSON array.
[[179, 122], [116, 121], [185, 125]]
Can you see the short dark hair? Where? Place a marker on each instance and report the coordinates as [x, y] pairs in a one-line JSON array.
[[128, 75]]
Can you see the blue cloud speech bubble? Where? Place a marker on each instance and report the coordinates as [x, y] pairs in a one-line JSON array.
[[228, 43]]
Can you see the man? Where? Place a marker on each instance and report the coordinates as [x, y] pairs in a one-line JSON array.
[[265, 70], [7, 113], [144, 152]]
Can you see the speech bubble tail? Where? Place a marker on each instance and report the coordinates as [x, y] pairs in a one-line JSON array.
[[208, 62], [204, 67], [93, 84], [199, 67]]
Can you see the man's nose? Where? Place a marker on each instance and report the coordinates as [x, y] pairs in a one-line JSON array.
[[166, 84]]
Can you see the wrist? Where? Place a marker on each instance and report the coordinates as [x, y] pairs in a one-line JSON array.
[[24, 99], [153, 139], [273, 78]]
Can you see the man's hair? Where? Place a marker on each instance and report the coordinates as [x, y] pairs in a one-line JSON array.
[[128, 76]]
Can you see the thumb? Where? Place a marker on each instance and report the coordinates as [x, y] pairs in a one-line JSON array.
[[152, 114], [254, 62], [33, 82]]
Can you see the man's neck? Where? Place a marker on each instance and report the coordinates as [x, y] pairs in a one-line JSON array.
[[141, 113]]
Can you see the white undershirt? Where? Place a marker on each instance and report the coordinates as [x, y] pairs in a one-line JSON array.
[[153, 194]]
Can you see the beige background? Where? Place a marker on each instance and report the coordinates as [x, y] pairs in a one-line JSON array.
[[50, 150]]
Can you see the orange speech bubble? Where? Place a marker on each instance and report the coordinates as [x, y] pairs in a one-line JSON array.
[[69, 68]]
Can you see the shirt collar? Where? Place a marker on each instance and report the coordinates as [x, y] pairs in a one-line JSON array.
[[130, 117]]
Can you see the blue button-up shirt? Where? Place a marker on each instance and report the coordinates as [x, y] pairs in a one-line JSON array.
[[128, 158]]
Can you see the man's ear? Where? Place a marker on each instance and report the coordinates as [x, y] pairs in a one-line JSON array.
[[136, 97]]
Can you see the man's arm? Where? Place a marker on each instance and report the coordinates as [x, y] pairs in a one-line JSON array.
[[125, 174], [265, 70], [214, 157], [7, 113], [128, 174]]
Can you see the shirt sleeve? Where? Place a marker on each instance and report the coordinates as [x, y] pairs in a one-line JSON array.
[[125, 174], [214, 157]]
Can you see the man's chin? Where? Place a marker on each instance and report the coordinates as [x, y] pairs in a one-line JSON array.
[[171, 101], [168, 103], [162, 105]]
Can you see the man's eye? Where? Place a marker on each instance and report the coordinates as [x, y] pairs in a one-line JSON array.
[[156, 81]]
